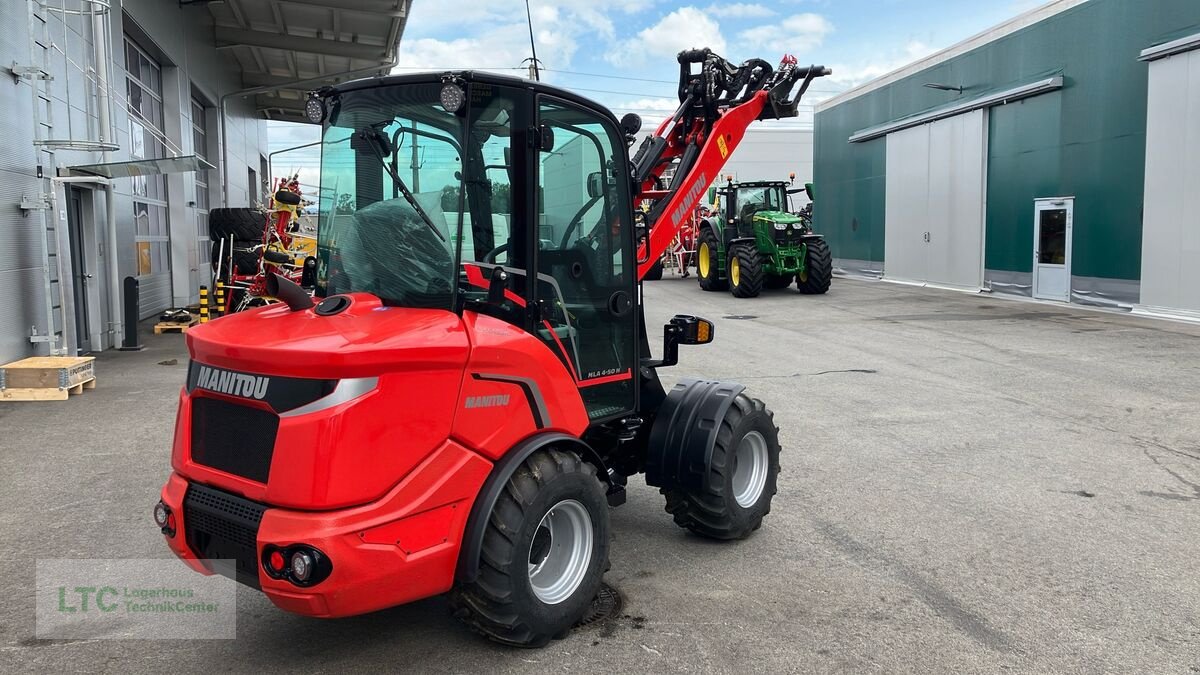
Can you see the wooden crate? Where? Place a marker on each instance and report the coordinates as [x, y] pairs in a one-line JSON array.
[[174, 326], [47, 378]]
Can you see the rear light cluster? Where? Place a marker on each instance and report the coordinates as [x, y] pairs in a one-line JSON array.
[[300, 564], [164, 518]]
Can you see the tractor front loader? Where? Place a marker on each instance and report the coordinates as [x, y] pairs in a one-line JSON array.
[[754, 242], [472, 386]]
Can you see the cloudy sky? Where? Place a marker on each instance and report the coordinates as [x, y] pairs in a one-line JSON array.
[[621, 52]]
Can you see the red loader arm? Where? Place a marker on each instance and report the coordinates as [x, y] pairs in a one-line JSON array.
[[716, 106]]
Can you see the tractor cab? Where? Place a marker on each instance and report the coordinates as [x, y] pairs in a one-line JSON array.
[[483, 194], [744, 200]]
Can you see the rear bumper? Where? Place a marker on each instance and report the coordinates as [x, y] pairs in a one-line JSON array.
[[401, 548]]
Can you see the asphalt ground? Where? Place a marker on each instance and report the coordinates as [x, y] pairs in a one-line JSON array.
[[971, 484]]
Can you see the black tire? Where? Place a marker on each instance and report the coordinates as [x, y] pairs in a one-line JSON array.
[[715, 512], [750, 271], [242, 223], [502, 603], [775, 282], [245, 258], [655, 273], [287, 197], [712, 282], [818, 269]]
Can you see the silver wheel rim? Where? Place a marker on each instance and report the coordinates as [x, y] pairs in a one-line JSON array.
[[560, 552], [750, 469]]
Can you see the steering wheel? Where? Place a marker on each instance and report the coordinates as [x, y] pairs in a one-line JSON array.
[[492, 254], [575, 221]]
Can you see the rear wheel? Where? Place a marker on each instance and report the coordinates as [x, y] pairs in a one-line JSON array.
[[655, 273], [818, 269], [741, 477], [745, 271], [240, 223], [543, 555], [707, 261]]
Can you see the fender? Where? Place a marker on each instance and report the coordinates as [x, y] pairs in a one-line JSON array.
[[472, 539], [812, 235], [739, 240], [685, 431]]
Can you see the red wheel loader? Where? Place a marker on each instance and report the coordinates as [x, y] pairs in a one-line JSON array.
[[474, 384]]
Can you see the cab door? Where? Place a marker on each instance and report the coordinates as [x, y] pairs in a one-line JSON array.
[[586, 286]]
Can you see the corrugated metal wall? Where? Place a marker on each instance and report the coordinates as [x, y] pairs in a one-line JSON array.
[[1088, 140]]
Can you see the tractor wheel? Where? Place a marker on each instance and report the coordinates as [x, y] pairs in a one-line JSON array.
[[707, 264], [242, 223], [818, 269], [745, 271], [544, 553], [741, 476], [775, 282], [655, 273], [245, 260]]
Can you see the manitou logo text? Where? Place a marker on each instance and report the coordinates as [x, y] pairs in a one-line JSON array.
[[686, 205], [234, 384], [496, 401]]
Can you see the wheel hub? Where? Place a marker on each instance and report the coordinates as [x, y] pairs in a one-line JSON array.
[[735, 271], [560, 552], [750, 467], [703, 263]]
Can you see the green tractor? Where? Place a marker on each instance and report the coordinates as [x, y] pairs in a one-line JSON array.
[[754, 242]]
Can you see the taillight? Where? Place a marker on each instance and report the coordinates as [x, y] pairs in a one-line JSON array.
[[164, 518], [299, 564]]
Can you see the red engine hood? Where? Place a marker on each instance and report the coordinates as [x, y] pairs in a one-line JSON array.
[[364, 340]]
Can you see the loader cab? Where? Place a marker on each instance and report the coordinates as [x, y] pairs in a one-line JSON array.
[[471, 192]]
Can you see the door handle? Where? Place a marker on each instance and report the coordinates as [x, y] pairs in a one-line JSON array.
[[926, 237]]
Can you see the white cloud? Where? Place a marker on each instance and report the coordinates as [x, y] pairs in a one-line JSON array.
[[684, 28], [739, 10], [846, 76], [796, 34]]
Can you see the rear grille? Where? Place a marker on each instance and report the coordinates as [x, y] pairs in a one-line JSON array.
[[223, 526], [233, 438]]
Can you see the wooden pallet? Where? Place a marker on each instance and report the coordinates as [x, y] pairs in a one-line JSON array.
[[174, 326], [47, 378]]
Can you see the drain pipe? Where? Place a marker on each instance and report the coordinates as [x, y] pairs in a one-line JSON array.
[[103, 58], [323, 79]]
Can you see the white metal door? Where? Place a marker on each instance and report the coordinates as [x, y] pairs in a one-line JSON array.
[[934, 202], [1171, 223], [1052, 220], [906, 205]]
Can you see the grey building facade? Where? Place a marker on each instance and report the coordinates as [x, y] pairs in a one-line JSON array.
[[183, 88]]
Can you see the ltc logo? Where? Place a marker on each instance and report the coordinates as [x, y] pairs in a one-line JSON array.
[[84, 593], [231, 383]]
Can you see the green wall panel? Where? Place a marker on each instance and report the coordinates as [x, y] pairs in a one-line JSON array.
[[1086, 141]]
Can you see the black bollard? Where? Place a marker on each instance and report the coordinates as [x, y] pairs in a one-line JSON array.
[[132, 301]]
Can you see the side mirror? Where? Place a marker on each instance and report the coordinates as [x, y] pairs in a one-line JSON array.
[[595, 184]]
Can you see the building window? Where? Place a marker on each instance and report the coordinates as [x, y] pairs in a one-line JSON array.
[[200, 147], [143, 88], [252, 192]]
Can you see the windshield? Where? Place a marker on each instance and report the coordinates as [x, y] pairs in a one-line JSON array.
[[393, 207], [763, 198]]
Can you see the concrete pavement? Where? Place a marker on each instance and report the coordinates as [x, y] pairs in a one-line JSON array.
[[970, 484]]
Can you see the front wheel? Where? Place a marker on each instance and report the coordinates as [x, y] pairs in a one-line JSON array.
[[708, 261], [745, 271], [741, 476], [544, 553], [818, 269]]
